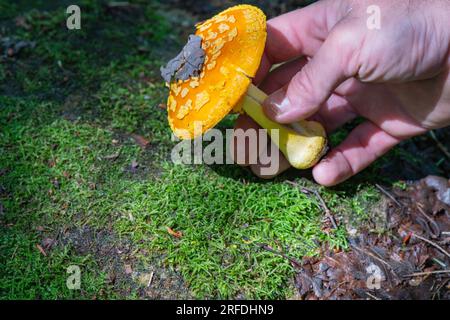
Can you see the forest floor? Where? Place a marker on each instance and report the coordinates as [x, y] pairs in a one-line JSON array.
[[86, 180]]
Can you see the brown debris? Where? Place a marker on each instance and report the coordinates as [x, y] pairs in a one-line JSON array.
[[176, 234], [21, 22], [409, 261], [140, 140], [41, 250]]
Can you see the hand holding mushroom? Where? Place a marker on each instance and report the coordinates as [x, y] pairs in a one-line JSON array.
[[398, 81], [396, 77], [212, 77]]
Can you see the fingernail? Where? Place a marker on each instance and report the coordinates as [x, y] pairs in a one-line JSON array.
[[277, 103]]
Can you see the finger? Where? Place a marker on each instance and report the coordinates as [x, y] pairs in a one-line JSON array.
[[271, 162], [299, 33], [366, 143], [316, 81], [334, 113], [280, 76], [244, 145]]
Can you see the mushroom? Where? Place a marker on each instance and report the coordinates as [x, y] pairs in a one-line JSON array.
[[232, 43]]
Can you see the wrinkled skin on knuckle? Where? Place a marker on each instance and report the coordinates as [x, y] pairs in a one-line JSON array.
[[302, 83]]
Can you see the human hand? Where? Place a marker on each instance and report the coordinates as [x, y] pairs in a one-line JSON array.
[[337, 68]]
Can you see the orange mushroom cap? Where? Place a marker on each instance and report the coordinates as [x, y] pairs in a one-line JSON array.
[[233, 42]]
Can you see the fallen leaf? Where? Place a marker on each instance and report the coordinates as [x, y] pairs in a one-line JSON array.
[[140, 140], [128, 269], [48, 243], [406, 239], [51, 163], [176, 234], [112, 157], [41, 250], [22, 23]]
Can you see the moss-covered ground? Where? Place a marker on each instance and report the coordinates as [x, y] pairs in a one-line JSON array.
[[76, 188]]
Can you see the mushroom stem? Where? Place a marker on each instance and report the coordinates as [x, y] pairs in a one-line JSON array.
[[302, 143]]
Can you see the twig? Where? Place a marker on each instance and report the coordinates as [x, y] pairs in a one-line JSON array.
[[41, 250], [150, 280], [439, 144], [372, 296], [327, 211], [418, 274], [439, 262], [292, 260], [431, 243], [302, 189], [373, 256], [439, 288], [432, 224], [388, 194]]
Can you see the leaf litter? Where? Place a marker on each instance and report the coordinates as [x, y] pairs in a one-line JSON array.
[[410, 260]]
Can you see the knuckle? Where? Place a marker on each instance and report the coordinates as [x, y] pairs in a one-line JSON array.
[[302, 85]]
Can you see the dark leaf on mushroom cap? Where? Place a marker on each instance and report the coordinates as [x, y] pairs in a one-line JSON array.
[[188, 63]]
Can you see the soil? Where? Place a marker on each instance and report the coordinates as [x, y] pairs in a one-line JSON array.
[[116, 258]]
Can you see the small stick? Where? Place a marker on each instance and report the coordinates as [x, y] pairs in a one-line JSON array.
[[439, 288], [431, 243], [418, 274], [372, 296], [388, 194], [327, 211], [292, 260], [373, 256], [41, 250], [302, 189], [432, 224], [439, 144], [439, 262], [150, 280]]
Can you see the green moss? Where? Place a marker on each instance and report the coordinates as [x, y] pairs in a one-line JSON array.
[[69, 104]]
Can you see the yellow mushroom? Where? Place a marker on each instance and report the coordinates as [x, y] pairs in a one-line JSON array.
[[236, 39]]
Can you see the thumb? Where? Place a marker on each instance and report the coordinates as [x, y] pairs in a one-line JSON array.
[[333, 63]]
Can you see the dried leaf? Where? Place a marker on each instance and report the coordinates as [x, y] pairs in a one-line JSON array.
[[176, 234], [140, 140], [128, 269], [41, 250], [188, 63], [112, 157], [48, 243]]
